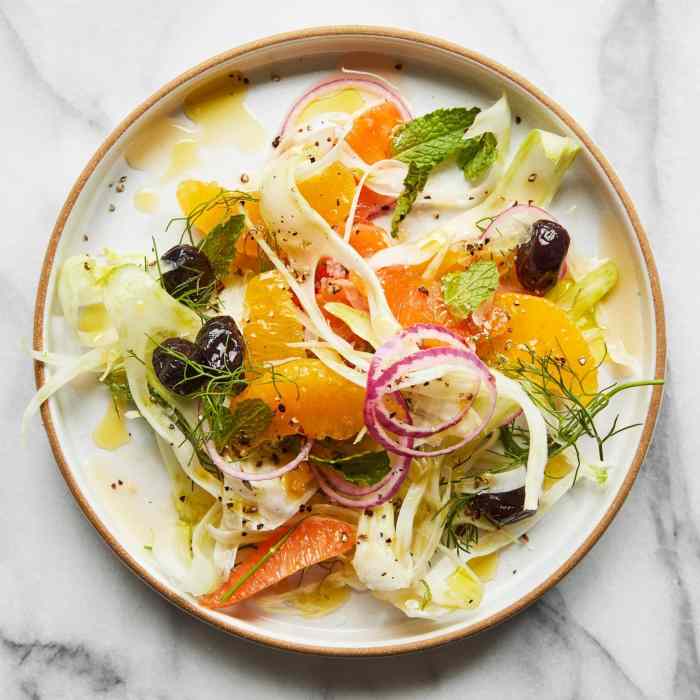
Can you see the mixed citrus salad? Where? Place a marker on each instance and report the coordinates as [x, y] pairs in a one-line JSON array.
[[370, 369]]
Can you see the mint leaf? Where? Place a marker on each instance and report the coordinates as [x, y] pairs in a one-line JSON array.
[[424, 143], [465, 291], [365, 468], [477, 156], [249, 418], [428, 140], [220, 244], [413, 183]]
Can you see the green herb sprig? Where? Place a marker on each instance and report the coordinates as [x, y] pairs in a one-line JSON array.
[[567, 405], [229, 200], [425, 142], [459, 535]]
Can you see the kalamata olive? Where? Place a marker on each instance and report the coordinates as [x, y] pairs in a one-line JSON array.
[[502, 507], [539, 260], [221, 344], [189, 273], [173, 371]]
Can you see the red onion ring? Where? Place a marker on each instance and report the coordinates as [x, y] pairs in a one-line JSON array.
[[342, 491], [429, 357], [384, 355], [369, 84], [380, 377], [348, 488], [231, 471], [376, 498]]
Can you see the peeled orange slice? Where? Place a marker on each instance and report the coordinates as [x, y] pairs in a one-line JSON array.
[[539, 325], [272, 320], [330, 193], [308, 398], [199, 199]]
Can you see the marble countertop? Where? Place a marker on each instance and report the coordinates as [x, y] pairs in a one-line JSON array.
[[75, 623]]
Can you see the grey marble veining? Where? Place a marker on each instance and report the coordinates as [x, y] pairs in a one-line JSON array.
[[74, 623]]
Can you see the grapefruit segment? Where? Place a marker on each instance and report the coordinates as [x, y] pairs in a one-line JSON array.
[[288, 550], [370, 136]]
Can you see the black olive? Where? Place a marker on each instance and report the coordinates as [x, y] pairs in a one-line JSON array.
[[221, 344], [501, 507], [174, 372], [539, 261], [189, 274]]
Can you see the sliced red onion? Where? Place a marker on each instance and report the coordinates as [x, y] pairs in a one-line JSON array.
[[406, 341], [511, 224], [429, 357], [342, 491], [367, 84], [388, 490], [392, 360], [227, 467], [347, 488]]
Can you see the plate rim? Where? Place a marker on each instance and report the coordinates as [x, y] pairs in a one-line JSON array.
[[229, 625]]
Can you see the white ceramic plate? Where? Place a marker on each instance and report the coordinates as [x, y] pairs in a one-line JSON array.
[[592, 202]]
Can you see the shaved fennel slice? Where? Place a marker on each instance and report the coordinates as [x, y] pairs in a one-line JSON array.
[[538, 455], [440, 583], [80, 290], [542, 153], [266, 504], [375, 560], [397, 553], [189, 564], [306, 237], [142, 311], [386, 177], [589, 272], [96, 359], [357, 320], [447, 587], [334, 361], [232, 298]]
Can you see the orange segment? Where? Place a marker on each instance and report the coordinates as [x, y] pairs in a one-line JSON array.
[[370, 136], [308, 398], [368, 239], [272, 320], [330, 192], [299, 546], [195, 195], [544, 328]]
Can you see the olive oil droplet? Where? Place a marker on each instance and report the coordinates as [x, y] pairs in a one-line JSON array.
[[485, 567], [184, 155], [111, 433], [347, 101], [146, 201], [219, 109], [150, 148]]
